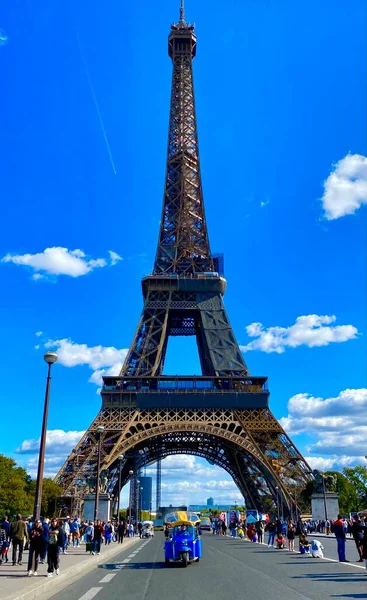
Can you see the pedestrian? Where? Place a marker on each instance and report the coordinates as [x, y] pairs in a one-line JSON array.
[[131, 530], [166, 531], [54, 541], [98, 537], [3, 544], [120, 532], [317, 549], [75, 532], [271, 529], [66, 537], [18, 532], [45, 536], [259, 526], [224, 528], [291, 534], [338, 528], [281, 541], [35, 546], [304, 544], [107, 533], [358, 531], [140, 529], [364, 544], [6, 526]]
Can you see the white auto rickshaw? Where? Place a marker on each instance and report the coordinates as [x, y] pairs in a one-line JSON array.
[[147, 529]]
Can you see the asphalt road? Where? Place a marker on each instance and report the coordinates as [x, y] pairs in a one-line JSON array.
[[229, 569]]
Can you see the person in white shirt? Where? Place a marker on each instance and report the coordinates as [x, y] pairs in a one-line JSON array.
[[317, 549]]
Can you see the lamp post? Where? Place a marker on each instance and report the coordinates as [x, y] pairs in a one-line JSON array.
[[141, 502], [131, 473], [50, 358], [324, 494], [100, 430], [137, 491], [121, 458], [277, 499]]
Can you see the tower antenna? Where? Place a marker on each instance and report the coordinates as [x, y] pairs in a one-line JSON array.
[[182, 12]]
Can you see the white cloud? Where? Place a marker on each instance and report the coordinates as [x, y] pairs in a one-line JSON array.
[[345, 190], [57, 441], [308, 330], [103, 360], [334, 463], [60, 261], [114, 257], [338, 426], [38, 333], [37, 347], [264, 203], [3, 38]]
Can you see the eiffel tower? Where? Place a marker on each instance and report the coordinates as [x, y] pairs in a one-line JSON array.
[[222, 415]]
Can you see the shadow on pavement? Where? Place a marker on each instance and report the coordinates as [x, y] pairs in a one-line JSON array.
[[338, 577], [348, 596], [135, 566]]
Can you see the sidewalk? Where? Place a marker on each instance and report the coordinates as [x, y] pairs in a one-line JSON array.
[[16, 585]]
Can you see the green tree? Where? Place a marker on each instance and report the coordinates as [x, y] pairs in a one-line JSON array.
[[348, 498], [14, 483], [51, 492], [357, 476]]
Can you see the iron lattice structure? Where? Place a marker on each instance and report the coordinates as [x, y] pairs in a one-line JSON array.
[[222, 415]]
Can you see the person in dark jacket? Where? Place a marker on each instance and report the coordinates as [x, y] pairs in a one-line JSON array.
[[338, 530], [46, 535], [18, 532], [54, 542], [358, 530], [364, 544], [35, 546]]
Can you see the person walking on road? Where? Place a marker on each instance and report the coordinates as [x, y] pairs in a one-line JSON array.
[[35, 546], [291, 534], [259, 526], [271, 528], [54, 542], [98, 535], [338, 528], [359, 531], [18, 532], [120, 532]]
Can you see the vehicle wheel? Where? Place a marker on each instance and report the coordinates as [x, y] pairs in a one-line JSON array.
[[197, 560], [166, 561], [185, 559]]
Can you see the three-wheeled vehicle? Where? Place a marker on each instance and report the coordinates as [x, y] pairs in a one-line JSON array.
[[147, 529], [183, 544]]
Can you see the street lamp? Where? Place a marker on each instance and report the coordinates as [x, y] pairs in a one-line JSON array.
[[277, 499], [324, 494], [50, 358], [141, 502], [121, 458], [137, 499], [131, 473], [100, 430]]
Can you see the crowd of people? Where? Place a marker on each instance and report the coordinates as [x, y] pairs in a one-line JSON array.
[[282, 535], [46, 540]]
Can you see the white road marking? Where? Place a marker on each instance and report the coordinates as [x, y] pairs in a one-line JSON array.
[[126, 560], [131, 555], [107, 578], [90, 593]]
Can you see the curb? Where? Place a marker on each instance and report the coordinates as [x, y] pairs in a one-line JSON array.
[[53, 586]]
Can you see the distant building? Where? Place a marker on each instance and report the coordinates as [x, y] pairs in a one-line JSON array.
[[146, 493], [210, 502], [200, 507]]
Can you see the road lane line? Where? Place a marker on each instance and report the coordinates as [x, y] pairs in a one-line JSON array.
[[126, 560], [91, 593], [107, 578], [132, 555]]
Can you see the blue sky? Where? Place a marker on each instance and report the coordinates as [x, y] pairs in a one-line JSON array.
[[281, 95]]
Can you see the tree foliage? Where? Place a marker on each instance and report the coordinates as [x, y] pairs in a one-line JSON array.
[[14, 483], [17, 491], [357, 476]]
